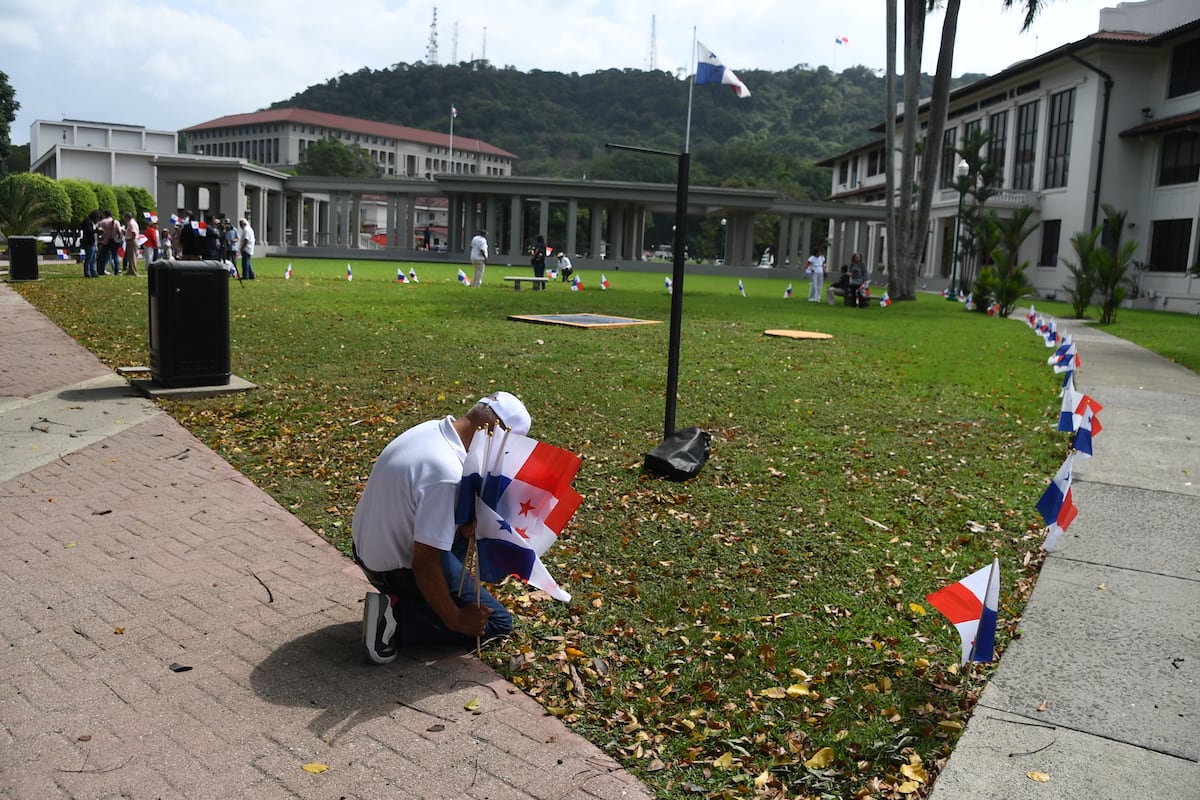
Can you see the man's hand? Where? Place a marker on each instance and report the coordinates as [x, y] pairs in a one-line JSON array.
[[467, 529], [472, 620]]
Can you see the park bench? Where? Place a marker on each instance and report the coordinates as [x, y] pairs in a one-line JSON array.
[[519, 279]]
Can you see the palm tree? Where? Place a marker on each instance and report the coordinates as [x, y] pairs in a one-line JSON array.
[[911, 213]]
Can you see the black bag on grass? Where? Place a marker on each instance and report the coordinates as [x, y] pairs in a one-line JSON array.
[[681, 455]]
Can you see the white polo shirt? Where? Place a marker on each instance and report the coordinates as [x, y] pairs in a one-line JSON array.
[[410, 496]]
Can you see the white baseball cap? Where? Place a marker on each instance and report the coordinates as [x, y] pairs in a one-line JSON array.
[[511, 411]]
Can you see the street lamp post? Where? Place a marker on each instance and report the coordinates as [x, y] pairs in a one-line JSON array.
[[724, 240], [961, 170]]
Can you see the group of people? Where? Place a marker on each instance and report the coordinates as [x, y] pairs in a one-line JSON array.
[[851, 284], [537, 258], [111, 244]]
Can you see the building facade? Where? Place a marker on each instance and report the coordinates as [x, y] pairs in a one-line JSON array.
[[110, 153], [279, 138], [1112, 119]]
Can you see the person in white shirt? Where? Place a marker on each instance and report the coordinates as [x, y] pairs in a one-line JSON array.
[[407, 543], [816, 275], [564, 266], [246, 248], [479, 256]]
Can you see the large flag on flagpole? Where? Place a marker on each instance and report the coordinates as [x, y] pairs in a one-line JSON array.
[[709, 69], [972, 605]]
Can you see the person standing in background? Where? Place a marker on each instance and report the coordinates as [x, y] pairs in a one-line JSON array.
[[538, 259], [479, 256], [88, 242], [816, 275], [150, 246], [246, 248], [129, 232]]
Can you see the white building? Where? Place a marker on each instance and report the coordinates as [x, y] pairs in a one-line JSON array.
[[1113, 118], [108, 153], [279, 137]]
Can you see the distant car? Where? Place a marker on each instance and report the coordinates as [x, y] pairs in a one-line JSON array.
[[720, 262]]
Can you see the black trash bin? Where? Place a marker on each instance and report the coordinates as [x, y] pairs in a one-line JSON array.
[[189, 323], [22, 258]]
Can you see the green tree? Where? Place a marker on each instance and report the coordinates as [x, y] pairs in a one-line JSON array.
[[1004, 281], [83, 202], [125, 202], [8, 113], [106, 198], [143, 202], [330, 158], [1114, 265], [1082, 287], [29, 202]]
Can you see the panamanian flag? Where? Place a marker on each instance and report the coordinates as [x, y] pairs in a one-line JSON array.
[[349, 273], [787, 292], [1056, 505], [668, 285], [412, 275], [287, 276], [518, 490], [709, 69], [741, 288], [603, 282], [400, 277], [463, 279], [577, 284], [972, 605]]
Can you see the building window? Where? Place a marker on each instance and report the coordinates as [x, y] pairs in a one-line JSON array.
[[1058, 143], [1026, 146], [949, 156], [1180, 158], [844, 172], [1169, 240], [1185, 69], [1051, 232], [873, 158], [998, 144]]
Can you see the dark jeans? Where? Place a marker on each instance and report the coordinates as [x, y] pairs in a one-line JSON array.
[[109, 253], [418, 623], [89, 261], [247, 270]]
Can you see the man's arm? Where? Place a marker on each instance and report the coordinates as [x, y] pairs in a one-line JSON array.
[[468, 620]]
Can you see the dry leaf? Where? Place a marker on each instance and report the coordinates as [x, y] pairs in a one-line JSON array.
[[315, 768], [1040, 777], [724, 761], [775, 692], [1042, 706], [118, 631], [908, 787], [821, 759], [762, 779], [914, 772], [950, 725], [472, 704], [797, 689]]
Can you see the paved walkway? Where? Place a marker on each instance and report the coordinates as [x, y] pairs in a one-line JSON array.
[[129, 550], [128, 547], [1101, 692]]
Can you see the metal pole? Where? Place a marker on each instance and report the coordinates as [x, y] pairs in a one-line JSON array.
[[957, 224], [681, 202]]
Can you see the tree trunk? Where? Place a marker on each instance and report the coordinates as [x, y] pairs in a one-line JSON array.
[[889, 163], [938, 106], [902, 284]]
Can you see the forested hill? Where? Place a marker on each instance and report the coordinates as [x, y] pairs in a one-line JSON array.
[[559, 124]]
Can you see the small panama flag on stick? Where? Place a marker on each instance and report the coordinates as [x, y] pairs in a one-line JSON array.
[[349, 273], [287, 276], [400, 276], [668, 285], [885, 301], [412, 275], [603, 282], [741, 288], [463, 279], [787, 292], [972, 606], [577, 284]]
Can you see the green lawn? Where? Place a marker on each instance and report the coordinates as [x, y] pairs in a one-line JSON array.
[[848, 478]]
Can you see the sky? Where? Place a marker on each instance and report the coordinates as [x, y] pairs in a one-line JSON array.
[[172, 64]]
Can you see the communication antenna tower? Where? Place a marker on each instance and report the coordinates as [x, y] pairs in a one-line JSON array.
[[431, 54], [652, 59], [454, 45], [484, 57]]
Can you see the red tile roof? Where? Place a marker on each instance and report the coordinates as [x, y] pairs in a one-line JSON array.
[[302, 116]]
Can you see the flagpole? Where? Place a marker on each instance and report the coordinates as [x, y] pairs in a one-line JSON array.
[[451, 138], [687, 133]]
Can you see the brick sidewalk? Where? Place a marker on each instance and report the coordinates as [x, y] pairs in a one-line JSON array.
[[146, 550]]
